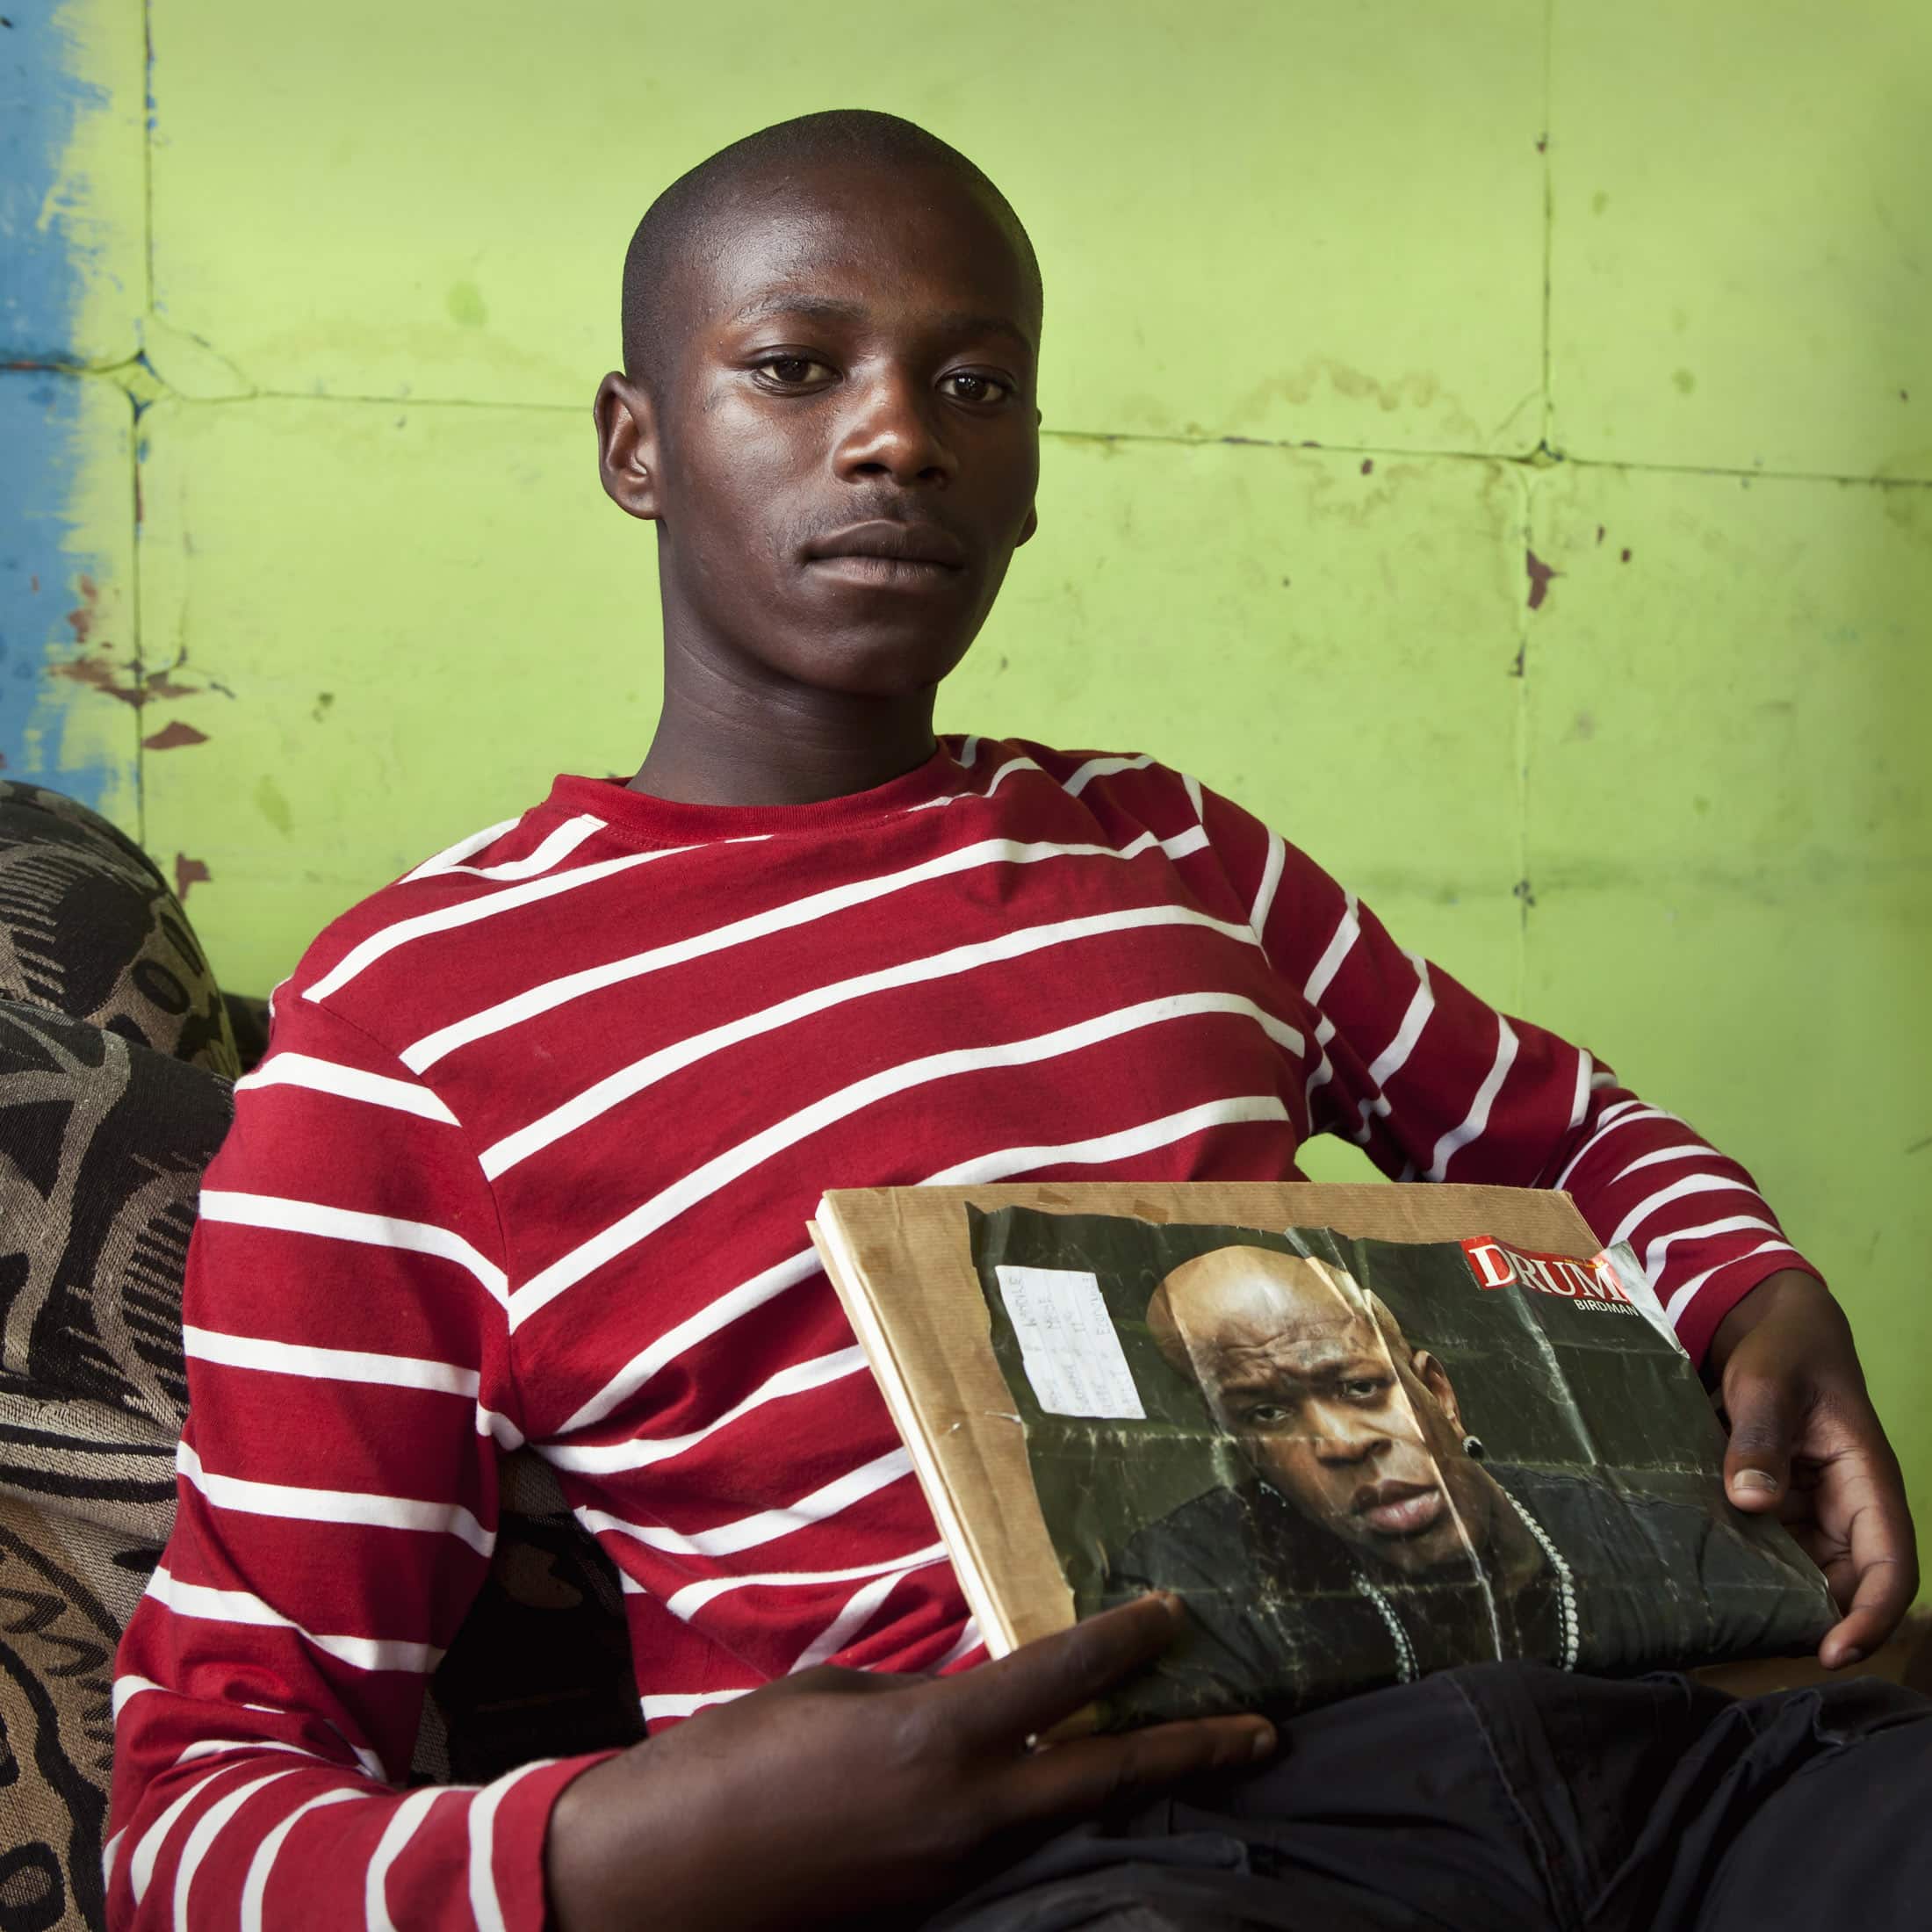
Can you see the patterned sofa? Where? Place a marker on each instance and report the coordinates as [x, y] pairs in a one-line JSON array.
[[118, 1052]]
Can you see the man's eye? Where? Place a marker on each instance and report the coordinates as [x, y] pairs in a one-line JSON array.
[[1362, 1388], [964, 385], [1267, 1414], [792, 371]]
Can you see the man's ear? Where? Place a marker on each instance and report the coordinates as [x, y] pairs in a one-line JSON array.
[[1028, 528], [1433, 1377], [627, 446]]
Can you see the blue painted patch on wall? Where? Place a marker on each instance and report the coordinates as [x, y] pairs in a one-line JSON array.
[[52, 575]]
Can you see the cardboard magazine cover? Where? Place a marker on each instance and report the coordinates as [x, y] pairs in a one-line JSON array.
[[1363, 1435]]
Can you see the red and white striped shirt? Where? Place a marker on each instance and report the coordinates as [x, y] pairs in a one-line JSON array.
[[530, 1158]]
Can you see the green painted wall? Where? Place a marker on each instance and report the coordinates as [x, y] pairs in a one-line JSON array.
[[1352, 313]]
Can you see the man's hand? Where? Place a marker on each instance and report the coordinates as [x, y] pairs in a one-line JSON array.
[[1807, 1443], [835, 1794]]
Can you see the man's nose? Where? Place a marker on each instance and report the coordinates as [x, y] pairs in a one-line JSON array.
[[893, 433], [1340, 1437]]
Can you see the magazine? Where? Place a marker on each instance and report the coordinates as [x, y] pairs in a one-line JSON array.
[[1363, 1432]]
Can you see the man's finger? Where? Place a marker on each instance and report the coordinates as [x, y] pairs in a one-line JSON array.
[[1766, 1412], [1884, 1595], [1078, 1779], [1050, 1678], [1885, 1563]]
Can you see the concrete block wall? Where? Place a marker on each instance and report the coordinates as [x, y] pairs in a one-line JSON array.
[[1493, 442]]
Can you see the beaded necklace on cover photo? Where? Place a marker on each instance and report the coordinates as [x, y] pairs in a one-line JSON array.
[[1566, 1602]]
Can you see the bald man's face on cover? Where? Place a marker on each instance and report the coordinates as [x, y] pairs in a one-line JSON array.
[[1360, 1433]]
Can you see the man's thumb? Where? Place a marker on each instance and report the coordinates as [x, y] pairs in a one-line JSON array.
[[1765, 1414]]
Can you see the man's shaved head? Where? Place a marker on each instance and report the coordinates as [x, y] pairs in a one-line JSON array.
[[673, 230], [1265, 1291]]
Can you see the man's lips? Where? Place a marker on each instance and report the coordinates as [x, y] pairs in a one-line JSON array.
[[885, 552], [1399, 1509]]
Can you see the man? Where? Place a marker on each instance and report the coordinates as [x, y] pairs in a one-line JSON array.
[[530, 1156], [1443, 1556]]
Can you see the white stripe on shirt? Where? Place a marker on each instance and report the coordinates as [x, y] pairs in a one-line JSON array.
[[242, 1606], [1681, 1299], [294, 1505], [963, 1646], [644, 1452], [1271, 882], [361, 1753], [450, 856], [1478, 1117], [329, 1365], [1102, 768], [132, 1686], [685, 1604], [693, 1329], [858, 1611], [1324, 1070], [484, 1906], [255, 1888], [1619, 1113], [447, 919], [1341, 942], [1580, 1104], [147, 1851], [1730, 1224], [304, 1069], [1011, 765], [558, 845], [1122, 1145], [215, 1747], [829, 1500], [1395, 1056], [1663, 1156], [404, 1823], [208, 1828], [685, 1704], [312, 1217]]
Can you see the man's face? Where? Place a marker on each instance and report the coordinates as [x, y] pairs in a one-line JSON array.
[[847, 439], [1331, 1414]]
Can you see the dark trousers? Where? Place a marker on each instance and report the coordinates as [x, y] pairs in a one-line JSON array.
[[1504, 1798]]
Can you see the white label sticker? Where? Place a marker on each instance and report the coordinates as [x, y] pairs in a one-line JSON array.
[[1067, 1343]]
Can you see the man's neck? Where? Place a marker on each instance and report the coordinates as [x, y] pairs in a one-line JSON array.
[[1515, 1556], [729, 741]]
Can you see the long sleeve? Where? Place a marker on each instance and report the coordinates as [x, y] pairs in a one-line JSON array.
[[1434, 1084], [348, 1388]]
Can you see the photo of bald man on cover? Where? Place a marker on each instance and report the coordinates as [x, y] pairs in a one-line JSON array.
[[1362, 1436], [1377, 1496]]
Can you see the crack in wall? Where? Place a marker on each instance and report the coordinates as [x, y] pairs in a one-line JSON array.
[[137, 377], [1549, 213], [1525, 612]]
